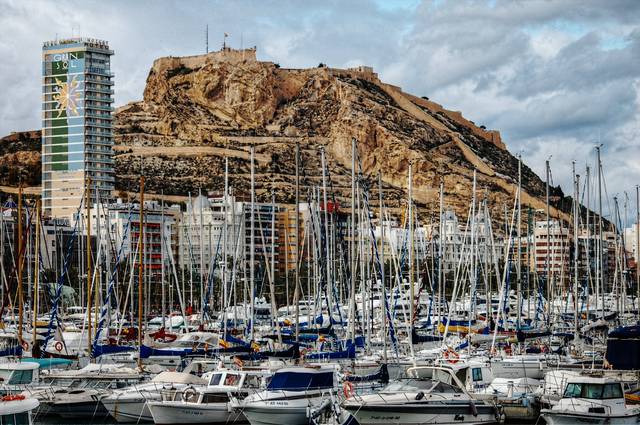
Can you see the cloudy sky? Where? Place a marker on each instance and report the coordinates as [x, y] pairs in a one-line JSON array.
[[555, 77]]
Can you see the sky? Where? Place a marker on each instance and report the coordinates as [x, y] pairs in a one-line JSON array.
[[556, 78]]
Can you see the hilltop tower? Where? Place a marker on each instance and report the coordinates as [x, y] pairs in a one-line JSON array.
[[77, 140]]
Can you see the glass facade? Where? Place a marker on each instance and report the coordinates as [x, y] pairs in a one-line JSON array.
[[77, 139]]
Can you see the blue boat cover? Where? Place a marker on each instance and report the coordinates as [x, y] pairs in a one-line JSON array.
[[300, 380]]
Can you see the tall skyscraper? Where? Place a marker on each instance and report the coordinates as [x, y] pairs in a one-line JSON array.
[[77, 142]]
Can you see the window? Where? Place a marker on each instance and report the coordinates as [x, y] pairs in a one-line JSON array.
[[612, 391], [592, 391], [231, 379], [215, 379], [17, 419], [21, 377], [573, 390], [476, 373]]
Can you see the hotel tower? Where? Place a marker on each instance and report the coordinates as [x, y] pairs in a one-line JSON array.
[[77, 140]]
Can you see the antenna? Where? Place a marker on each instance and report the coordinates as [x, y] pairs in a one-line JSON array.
[[206, 37]]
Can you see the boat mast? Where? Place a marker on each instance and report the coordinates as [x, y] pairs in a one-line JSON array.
[[637, 249], [440, 253], [352, 291], [519, 258], [19, 266], [600, 276], [382, 272], [140, 269], [37, 274], [587, 244], [576, 208], [252, 243], [88, 253], [296, 291], [411, 283], [201, 247], [225, 237], [329, 283], [547, 254], [162, 255]]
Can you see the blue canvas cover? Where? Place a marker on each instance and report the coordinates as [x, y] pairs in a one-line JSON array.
[[301, 380]]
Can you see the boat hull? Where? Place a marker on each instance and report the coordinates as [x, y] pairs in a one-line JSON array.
[[170, 413], [128, 411], [565, 417], [276, 414], [418, 415]]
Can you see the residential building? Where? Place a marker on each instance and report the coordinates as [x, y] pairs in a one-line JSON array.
[[77, 140]]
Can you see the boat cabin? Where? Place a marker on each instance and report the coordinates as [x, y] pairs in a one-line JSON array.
[[14, 376]]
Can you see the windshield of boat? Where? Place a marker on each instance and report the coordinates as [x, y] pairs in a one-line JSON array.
[[593, 391], [414, 385]]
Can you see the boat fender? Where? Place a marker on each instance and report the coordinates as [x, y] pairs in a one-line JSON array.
[[420, 396], [25, 345], [473, 408]]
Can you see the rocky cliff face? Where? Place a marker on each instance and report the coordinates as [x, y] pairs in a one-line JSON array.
[[198, 110]]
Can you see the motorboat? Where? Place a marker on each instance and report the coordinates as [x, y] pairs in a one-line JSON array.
[[290, 395], [210, 404], [430, 394], [131, 404], [17, 409], [594, 400]]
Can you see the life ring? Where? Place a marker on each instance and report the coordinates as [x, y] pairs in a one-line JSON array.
[[58, 346], [451, 356], [13, 397], [347, 389], [188, 393], [25, 345]]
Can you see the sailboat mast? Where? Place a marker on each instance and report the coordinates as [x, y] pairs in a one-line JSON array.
[[576, 209], [296, 291], [410, 218], [637, 249], [328, 259], [225, 236], [252, 243], [547, 254], [19, 266], [519, 258], [352, 291], [88, 253], [600, 277], [440, 252], [140, 269], [162, 256], [383, 304], [37, 272]]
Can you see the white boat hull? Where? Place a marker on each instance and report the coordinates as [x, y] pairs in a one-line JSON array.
[[418, 415], [128, 410], [272, 413], [565, 417], [177, 412]]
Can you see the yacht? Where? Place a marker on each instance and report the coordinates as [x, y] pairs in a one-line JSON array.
[[429, 395], [289, 396], [594, 400], [210, 404], [131, 404]]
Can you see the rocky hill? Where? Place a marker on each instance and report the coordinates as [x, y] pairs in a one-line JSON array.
[[198, 110]]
